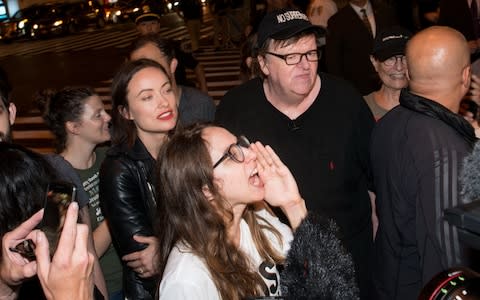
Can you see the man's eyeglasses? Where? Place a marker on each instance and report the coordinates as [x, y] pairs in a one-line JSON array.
[[295, 58], [393, 60], [235, 151]]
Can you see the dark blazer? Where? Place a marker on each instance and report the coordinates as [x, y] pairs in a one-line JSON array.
[[128, 204], [456, 14], [349, 44]]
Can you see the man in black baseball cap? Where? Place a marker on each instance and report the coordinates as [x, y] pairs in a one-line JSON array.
[[285, 24], [319, 124], [148, 23]]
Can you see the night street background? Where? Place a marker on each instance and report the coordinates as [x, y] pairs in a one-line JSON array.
[[91, 58]]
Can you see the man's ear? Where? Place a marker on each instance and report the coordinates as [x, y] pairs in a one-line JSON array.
[[263, 65], [124, 112], [12, 113], [173, 65], [466, 76]]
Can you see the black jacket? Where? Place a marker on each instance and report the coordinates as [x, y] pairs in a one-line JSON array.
[[417, 150], [128, 203]]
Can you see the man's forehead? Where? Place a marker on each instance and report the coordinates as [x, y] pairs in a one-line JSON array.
[[307, 41]]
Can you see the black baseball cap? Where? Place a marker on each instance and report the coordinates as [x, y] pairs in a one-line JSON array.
[[390, 42], [283, 24]]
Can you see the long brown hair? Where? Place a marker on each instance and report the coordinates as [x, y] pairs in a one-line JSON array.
[[184, 171]]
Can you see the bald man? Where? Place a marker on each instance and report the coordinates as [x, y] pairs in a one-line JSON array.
[[416, 155]]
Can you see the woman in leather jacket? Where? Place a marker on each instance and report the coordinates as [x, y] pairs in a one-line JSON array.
[[144, 112]]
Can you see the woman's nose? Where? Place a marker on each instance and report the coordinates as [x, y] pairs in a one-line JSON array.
[[249, 154], [162, 101]]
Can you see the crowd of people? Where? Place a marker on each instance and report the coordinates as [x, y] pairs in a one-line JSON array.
[[174, 202]]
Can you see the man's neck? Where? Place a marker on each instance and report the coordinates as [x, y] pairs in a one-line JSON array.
[[438, 92]]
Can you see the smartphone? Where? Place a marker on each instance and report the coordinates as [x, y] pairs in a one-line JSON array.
[[26, 249], [57, 199], [59, 196]]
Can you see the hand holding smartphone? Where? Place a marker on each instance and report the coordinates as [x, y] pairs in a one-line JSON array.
[[58, 197]]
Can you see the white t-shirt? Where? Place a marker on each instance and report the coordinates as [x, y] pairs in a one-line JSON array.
[[187, 277]]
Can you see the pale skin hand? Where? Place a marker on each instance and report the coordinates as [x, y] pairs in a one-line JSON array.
[[68, 275], [280, 187], [144, 262], [14, 268]]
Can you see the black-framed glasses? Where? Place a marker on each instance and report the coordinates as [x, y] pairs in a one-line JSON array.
[[393, 60], [295, 58], [235, 151]]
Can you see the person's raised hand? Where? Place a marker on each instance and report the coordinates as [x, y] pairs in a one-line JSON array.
[[280, 186], [14, 268], [68, 274]]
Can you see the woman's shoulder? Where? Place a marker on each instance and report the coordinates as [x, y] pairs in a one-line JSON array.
[[186, 276], [117, 165]]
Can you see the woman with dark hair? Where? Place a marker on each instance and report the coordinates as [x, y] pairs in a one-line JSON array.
[[144, 112], [24, 177], [193, 104], [219, 239], [78, 120]]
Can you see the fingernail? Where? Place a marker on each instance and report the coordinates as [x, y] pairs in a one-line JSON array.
[[75, 204]]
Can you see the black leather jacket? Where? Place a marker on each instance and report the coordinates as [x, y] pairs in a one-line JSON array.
[[128, 203]]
